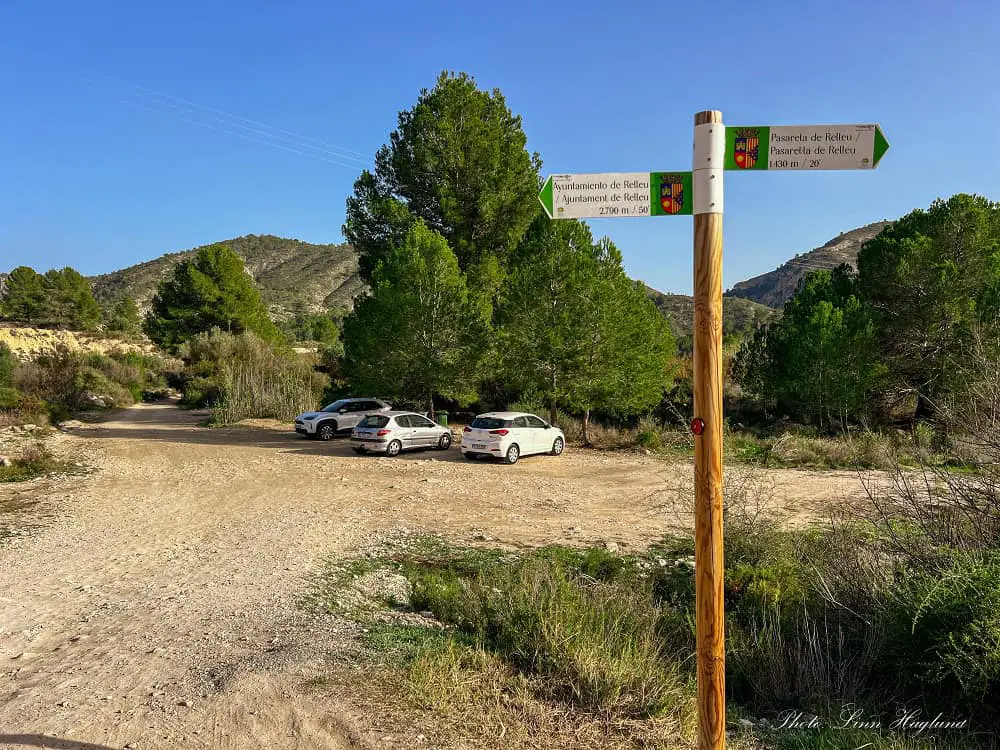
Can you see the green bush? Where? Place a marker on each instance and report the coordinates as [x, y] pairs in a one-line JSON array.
[[946, 627], [200, 392], [649, 440], [815, 619], [10, 398], [244, 377], [34, 461], [93, 389], [597, 644], [8, 363], [64, 381]]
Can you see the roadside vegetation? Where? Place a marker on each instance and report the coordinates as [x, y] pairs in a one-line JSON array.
[[888, 614], [55, 385], [30, 462], [476, 301]]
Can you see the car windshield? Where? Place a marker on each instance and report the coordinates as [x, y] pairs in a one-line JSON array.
[[374, 420], [335, 406], [487, 423]]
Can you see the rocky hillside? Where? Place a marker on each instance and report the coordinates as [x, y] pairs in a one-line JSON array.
[[776, 287], [289, 273], [739, 316], [27, 342]]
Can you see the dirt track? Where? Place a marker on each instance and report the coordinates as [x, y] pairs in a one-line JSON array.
[[159, 608]]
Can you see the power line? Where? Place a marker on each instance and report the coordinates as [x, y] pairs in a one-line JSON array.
[[265, 134], [245, 136], [256, 123]]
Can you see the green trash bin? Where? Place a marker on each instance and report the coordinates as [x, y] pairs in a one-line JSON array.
[[441, 417]]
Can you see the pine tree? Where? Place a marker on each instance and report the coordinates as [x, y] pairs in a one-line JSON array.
[[24, 299], [421, 332], [456, 161], [212, 290], [575, 330]]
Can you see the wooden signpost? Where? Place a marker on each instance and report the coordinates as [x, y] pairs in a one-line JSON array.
[[700, 193]]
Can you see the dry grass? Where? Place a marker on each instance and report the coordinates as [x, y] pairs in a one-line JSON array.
[[468, 698]]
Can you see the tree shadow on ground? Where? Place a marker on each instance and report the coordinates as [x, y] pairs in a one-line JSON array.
[[166, 423], [41, 740]]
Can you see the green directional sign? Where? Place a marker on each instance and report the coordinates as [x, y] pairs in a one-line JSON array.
[[609, 195], [753, 147]]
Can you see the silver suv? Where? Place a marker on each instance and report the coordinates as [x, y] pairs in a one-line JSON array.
[[340, 416]]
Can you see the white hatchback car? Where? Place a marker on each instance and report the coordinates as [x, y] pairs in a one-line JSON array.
[[510, 435]]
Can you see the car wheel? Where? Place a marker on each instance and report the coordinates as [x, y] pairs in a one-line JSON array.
[[513, 453], [393, 448], [557, 446], [471, 456], [326, 431], [445, 442], [359, 450]]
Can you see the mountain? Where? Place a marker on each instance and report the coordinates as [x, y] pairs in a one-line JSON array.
[[776, 287], [739, 316], [289, 273]]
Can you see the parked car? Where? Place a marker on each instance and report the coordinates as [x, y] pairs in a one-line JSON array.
[[340, 416], [510, 435], [390, 432]]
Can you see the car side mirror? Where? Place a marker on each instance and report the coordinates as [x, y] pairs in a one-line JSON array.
[[342, 411]]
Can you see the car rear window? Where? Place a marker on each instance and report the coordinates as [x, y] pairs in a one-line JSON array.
[[374, 420], [487, 423]]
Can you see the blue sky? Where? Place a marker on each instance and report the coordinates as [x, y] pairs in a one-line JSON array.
[[99, 169]]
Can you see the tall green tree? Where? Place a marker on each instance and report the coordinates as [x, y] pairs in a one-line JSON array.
[[577, 331], [24, 298], [69, 301], [456, 161], [930, 278], [212, 290], [628, 345], [542, 316], [421, 332], [818, 362]]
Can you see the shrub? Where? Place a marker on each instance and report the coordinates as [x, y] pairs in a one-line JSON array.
[[946, 628], [64, 381], [245, 377], [649, 440], [10, 398], [597, 644], [8, 363], [200, 392], [34, 461]]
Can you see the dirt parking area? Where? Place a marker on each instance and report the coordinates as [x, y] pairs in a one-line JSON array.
[[158, 607]]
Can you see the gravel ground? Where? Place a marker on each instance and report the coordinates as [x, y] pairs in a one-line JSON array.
[[157, 607]]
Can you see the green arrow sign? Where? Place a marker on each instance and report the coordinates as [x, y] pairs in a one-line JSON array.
[[616, 194], [752, 147]]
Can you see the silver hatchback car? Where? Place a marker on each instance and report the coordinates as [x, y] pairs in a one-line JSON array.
[[390, 432]]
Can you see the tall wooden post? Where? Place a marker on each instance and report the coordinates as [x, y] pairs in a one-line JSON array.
[[709, 151]]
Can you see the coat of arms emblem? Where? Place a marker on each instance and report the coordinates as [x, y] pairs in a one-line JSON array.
[[746, 148]]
